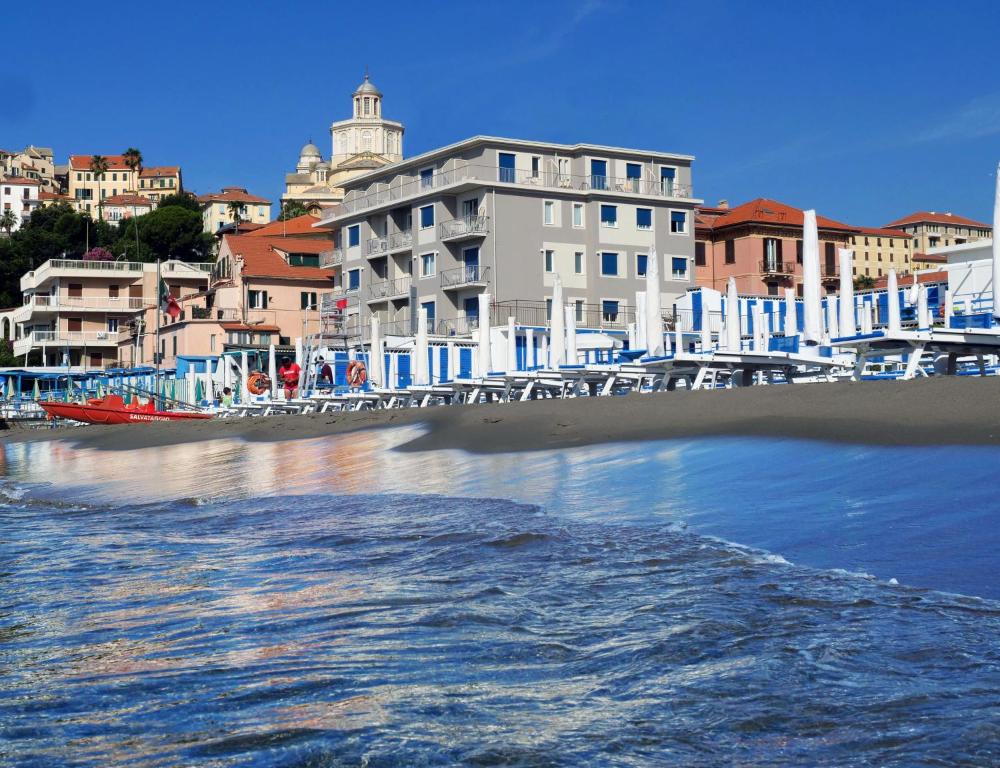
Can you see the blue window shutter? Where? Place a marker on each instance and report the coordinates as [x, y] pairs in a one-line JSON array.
[[679, 265], [643, 217], [633, 171], [641, 263]]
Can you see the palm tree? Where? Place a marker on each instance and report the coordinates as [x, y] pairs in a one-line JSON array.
[[99, 167], [133, 159], [8, 220], [236, 211]]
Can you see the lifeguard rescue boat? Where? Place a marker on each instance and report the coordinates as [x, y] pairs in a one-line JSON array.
[[113, 410]]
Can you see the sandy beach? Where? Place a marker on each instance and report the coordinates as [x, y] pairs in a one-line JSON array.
[[923, 412]]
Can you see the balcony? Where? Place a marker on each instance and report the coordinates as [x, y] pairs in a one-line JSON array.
[[469, 276], [377, 246], [390, 289], [37, 339], [400, 242], [332, 258], [465, 228], [457, 326], [589, 316], [63, 303], [829, 273], [776, 268], [472, 175]]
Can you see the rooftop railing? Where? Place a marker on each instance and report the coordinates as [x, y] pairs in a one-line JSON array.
[[401, 188]]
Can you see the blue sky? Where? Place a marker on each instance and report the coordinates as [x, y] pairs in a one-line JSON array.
[[863, 110]]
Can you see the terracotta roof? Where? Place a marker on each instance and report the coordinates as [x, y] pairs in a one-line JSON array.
[[82, 162], [934, 217], [905, 281], [764, 211], [245, 327], [232, 193], [263, 256], [931, 258], [300, 225], [881, 232], [162, 170], [46, 195], [128, 200], [22, 180]]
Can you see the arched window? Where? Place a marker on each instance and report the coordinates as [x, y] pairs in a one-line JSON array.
[[367, 106], [366, 141], [357, 107]]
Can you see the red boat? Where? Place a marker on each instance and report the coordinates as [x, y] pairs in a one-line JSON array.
[[113, 410]]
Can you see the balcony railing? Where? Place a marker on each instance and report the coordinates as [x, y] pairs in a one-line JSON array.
[[385, 192], [61, 302], [332, 258], [469, 226], [590, 316], [389, 289], [378, 246], [775, 267], [457, 326], [72, 338], [401, 241], [462, 276]]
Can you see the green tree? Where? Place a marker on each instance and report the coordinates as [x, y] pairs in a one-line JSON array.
[[236, 211], [290, 209], [864, 283], [169, 232], [182, 200], [8, 220], [99, 167]]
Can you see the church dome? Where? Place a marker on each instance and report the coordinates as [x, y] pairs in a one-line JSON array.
[[367, 88], [310, 150]]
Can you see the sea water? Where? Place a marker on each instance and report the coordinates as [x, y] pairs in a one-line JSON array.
[[337, 602]]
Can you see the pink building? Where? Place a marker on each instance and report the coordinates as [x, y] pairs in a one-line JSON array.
[[760, 244]]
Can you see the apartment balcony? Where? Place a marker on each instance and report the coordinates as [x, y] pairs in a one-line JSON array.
[[332, 258], [776, 269], [79, 268], [390, 289], [400, 242], [40, 304], [829, 274], [465, 277], [377, 246], [467, 228], [472, 175], [37, 339], [589, 316], [466, 325]]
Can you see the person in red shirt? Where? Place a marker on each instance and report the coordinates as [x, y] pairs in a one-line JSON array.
[[288, 374]]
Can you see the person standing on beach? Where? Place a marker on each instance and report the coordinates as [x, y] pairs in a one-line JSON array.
[[325, 372], [288, 374]]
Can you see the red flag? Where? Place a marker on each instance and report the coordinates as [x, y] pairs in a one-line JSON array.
[[168, 303], [341, 303]]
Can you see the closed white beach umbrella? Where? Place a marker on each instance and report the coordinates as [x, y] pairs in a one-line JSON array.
[[706, 327], [572, 356], [847, 327], [640, 319], [530, 355], [678, 336], [996, 247], [419, 367], [544, 349], [866, 318], [376, 359], [272, 372], [511, 345], [791, 321], [733, 331], [244, 375], [630, 330], [892, 300], [654, 315], [557, 331], [812, 327], [485, 356], [765, 329], [923, 313], [832, 319]]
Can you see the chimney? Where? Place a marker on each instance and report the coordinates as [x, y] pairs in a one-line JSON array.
[[723, 204]]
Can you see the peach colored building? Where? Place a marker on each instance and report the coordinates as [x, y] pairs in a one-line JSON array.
[[263, 290], [760, 244], [79, 311], [159, 182], [120, 207]]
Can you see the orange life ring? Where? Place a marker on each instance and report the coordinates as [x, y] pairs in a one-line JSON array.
[[258, 383], [357, 375]]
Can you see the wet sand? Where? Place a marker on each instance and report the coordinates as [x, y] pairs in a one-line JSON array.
[[955, 410]]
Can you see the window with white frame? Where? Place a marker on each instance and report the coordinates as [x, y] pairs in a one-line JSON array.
[[578, 310], [549, 213], [609, 215], [577, 215], [609, 310], [427, 217], [644, 218], [428, 264], [679, 222], [353, 280], [549, 261], [112, 325], [609, 264], [354, 235], [679, 267], [641, 264], [578, 263], [257, 299], [426, 178]]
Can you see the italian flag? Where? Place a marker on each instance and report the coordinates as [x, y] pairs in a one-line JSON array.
[[168, 303]]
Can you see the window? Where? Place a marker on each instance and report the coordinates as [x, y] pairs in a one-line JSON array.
[[264, 338], [354, 235], [506, 168], [678, 222], [772, 254], [798, 252], [427, 217], [577, 214], [549, 257], [609, 310], [699, 254], [548, 309], [549, 213], [112, 325], [428, 263], [609, 264], [609, 215], [578, 310], [643, 218], [257, 299], [307, 300], [431, 312], [112, 291], [211, 343], [667, 178], [633, 175], [599, 174], [578, 263], [730, 251], [427, 178], [641, 264], [536, 163], [353, 279], [678, 267]]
